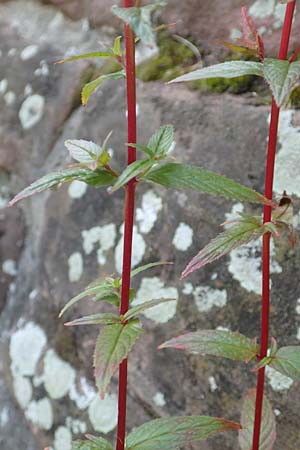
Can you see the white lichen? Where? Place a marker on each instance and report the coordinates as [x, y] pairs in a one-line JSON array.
[[3, 86], [10, 97], [262, 8], [40, 413], [183, 237], [31, 111], [58, 375], [154, 288], [212, 383], [102, 238], [147, 214], [206, 298], [103, 414], [25, 349], [234, 213], [22, 390], [75, 263], [12, 52], [42, 70], [298, 307], [62, 439], [188, 288], [4, 417], [28, 90], [82, 394], [9, 267], [278, 381], [298, 334], [77, 189], [138, 250], [76, 426], [29, 52], [159, 399]]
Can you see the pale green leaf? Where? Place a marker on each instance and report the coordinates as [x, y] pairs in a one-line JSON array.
[[176, 432], [287, 361], [139, 309], [134, 170], [95, 319], [92, 86], [85, 152], [87, 56], [161, 141], [282, 76], [226, 344], [230, 69], [95, 178], [268, 425], [92, 443], [117, 46], [183, 176], [140, 269], [113, 346]]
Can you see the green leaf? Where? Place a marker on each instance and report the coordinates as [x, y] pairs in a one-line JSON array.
[[143, 148], [160, 143], [287, 361], [117, 46], [113, 346], [132, 171], [85, 152], [226, 344], [145, 306], [87, 56], [91, 87], [176, 432], [93, 443], [95, 319], [242, 233], [140, 269], [230, 69], [282, 76], [139, 19], [99, 290], [95, 178], [183, 176], [268, 426]]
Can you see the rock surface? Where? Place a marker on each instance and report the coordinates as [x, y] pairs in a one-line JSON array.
[[47, 392]]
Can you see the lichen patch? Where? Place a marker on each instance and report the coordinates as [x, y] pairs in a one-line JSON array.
[[207, 298], [147, 214], [58, 375], [103, 414], [183, 237]]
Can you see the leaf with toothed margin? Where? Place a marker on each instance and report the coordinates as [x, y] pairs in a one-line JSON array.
[[92, 443], [95, 319], [85, 152], [229, 69], [113, 346], [139, 309], [287, 361], [87, 56], [268, 425], [134, 170], [225, 344], [282, 77], [95, 178], [139, 19], [92, 86], [162, 140], [183, 176], [243, 232], [175, 432]]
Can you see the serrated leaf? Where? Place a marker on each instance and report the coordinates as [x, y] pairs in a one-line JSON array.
[[95, 319], [93, 443], [86, 56], [183, 176], [268, 425], [161, 141], [85, 152], [113, 346], [175, 432], [139, 309], [92, 86], [242, 233], [230, 69], [226, 344], [282, 77], [95, 178], [134, 170], [287, 361], [140, 269], [139, 19]]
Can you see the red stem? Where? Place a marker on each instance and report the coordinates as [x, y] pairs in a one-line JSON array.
[[272, 145], [129, 219]]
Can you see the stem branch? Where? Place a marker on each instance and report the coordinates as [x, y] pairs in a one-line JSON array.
[[269, 177]]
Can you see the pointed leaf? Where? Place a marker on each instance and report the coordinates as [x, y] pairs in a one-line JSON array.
[[95, 319], [93, 443], [183, 176], [143, 148], [86, 152], [140, 269], [117, 46], [268, 426], [230, 69], [282, 76], [242, 233], [87, 56], [176, 432], [287, 362], [91, 87], [145, 306], [96, 178], [139, 19], [132, 171], [226, 344], [161, 141], [113, 346]]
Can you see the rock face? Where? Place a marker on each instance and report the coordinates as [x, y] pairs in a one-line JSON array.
[[58, 242]]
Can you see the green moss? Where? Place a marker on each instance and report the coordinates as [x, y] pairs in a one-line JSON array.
[[237, 85]]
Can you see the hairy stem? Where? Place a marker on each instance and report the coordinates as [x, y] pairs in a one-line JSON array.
[[272, 144], [129, 219]]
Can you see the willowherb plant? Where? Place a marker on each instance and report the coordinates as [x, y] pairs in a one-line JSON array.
[[121, 328]]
